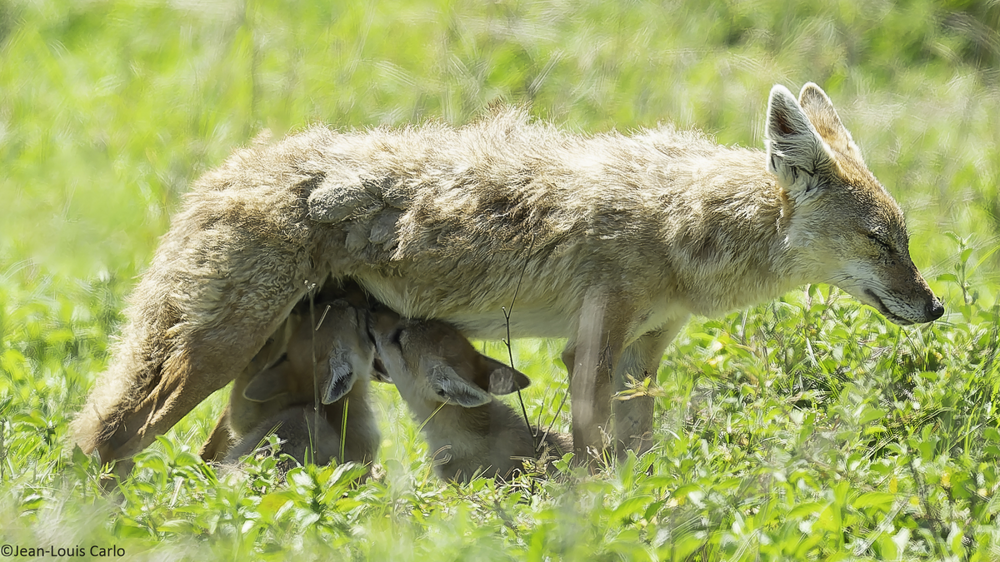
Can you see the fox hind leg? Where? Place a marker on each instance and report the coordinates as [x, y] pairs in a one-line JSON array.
[[198, 363]]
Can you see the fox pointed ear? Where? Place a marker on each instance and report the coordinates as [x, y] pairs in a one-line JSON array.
[[819, 109], [268, 384], [449, 386], [341, 381], [504, 379], [794, 149]]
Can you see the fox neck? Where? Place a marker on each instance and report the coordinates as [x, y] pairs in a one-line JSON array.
[[731, 248]]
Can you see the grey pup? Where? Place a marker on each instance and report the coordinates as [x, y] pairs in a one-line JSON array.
[[309, 385], [448, 386]]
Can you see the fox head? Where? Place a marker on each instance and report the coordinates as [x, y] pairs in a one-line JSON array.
[[843, 227]]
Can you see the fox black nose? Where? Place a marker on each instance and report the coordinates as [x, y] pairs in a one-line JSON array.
[[936, 310]]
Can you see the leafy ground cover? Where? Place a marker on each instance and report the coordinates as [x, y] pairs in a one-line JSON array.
[[806, 428]]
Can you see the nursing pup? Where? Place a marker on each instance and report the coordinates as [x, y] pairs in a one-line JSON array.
[[309, 385], [448, 387]]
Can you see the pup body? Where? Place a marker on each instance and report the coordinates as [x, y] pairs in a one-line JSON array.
[[619, 239], [304, 436], [322, 407], [447, 385]]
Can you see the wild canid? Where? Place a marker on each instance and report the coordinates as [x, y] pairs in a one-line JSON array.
[[448, 387], [615, 240], [309, 385]]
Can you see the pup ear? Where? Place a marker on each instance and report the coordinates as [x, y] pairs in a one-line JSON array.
[[449, 386], [268, 384], [794, 149], [341, 381], [503, 378]]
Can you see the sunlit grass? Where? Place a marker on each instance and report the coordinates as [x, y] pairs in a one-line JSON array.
[[808, 428]]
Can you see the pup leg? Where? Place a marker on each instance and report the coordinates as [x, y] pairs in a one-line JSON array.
[[639, 361], [219, 441]]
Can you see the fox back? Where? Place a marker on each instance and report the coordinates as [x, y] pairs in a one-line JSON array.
[[442, 221]]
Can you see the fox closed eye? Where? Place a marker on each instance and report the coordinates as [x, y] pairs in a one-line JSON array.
[[882, 243]]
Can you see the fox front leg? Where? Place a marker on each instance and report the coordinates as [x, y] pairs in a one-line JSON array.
[[633, 414], [590, 359]]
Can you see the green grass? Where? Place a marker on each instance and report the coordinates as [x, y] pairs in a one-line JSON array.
[[807, 428]]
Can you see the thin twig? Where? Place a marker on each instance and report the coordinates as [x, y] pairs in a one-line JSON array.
[[317, 401], [311, 287], [510, 351], [343, 429], [554, 417], [322, 318]]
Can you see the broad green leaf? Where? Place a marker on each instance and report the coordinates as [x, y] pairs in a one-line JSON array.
[[874, 499]]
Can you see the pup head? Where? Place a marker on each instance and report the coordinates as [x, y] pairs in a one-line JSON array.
[[430, 361]]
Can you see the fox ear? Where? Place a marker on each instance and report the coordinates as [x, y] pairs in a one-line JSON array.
[[341, 381], [268, 384], [794, 149], [449, 386], [819, 109], [503, 378]]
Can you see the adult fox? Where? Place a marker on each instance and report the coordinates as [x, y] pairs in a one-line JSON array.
[[615, 240]]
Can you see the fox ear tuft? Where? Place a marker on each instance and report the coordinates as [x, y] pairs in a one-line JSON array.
[[815, 102], [821, 113], [785, 117], [794, 149]]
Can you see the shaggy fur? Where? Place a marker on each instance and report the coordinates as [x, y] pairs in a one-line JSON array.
[[619, 239]]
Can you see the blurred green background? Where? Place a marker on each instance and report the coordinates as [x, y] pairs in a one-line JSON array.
[[109, 109]]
